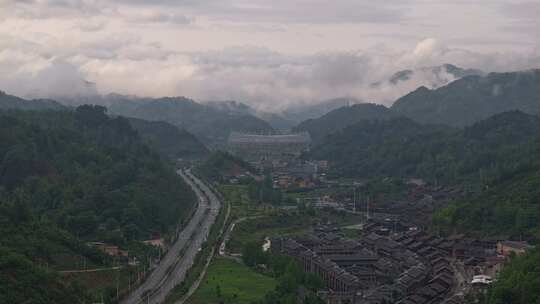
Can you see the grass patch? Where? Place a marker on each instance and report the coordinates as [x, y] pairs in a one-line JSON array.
[[237, 284], [284, 224], [256, 230], [241, 205]]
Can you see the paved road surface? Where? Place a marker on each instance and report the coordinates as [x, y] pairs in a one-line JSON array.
[[193, 288], [172, 269]]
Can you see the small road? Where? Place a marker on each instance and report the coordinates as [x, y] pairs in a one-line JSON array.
[[172, 269]]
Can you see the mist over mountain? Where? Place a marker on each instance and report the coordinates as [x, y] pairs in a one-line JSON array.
[[435, 77], [383, 90], [210, 123], [460, 103], [8, 102], [317, 109], [473, 98], [231, 107], [169, 141], [340, 118]]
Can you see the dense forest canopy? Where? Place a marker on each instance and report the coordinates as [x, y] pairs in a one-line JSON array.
[[68, 177], [473, 98], [338, 119], [221, 164], [210, 124], [509, 207], [401, 147], [168, 140], [10, 102], [519, 283], [84, 167]]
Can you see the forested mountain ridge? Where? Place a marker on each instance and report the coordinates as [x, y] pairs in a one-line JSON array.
[[106, 162], [439, 75], [508, 207], [374, 148], [210, 124], [168, 140], [430, 76], [401, 147], [340, 118], [69, 177], [473, 98], [220, 164], [510, 204], [301, 113], [10, 102]]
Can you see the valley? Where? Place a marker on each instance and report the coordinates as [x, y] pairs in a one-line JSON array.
[[361, 204]]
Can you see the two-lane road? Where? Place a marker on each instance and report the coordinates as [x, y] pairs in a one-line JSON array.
[[172, 269]]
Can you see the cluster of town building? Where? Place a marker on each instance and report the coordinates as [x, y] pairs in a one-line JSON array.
[[279, 154], [405, 267], [392, 260], [256, 148]]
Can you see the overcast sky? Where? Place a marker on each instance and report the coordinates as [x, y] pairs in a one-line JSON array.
[[266, 53]]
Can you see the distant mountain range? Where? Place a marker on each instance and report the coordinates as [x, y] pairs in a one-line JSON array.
[[210, 123], [460, 103], [289, 117], [340, 118], [275, 120], [168, 140], [470, 98], [473, 98], [304, 112], [433, 77], [10, 102], [198, 117]]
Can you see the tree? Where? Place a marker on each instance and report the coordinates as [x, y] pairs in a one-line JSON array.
[[253, 255], [218, 291]]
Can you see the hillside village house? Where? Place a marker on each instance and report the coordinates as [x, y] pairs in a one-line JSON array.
[[507, 247]]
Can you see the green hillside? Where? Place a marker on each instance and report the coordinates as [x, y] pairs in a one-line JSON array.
[[473, 98], [403, 148], [168, 140], [210, 124], [67, 178], [10, 102], [338, 119]]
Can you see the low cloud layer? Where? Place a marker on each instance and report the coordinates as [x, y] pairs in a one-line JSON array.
[[268, 55]]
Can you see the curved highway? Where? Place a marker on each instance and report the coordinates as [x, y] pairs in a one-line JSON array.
[[172, 269]]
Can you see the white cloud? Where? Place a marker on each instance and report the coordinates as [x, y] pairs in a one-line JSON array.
[[159, 17], [44, 9], [268, 54], [91, 24]]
